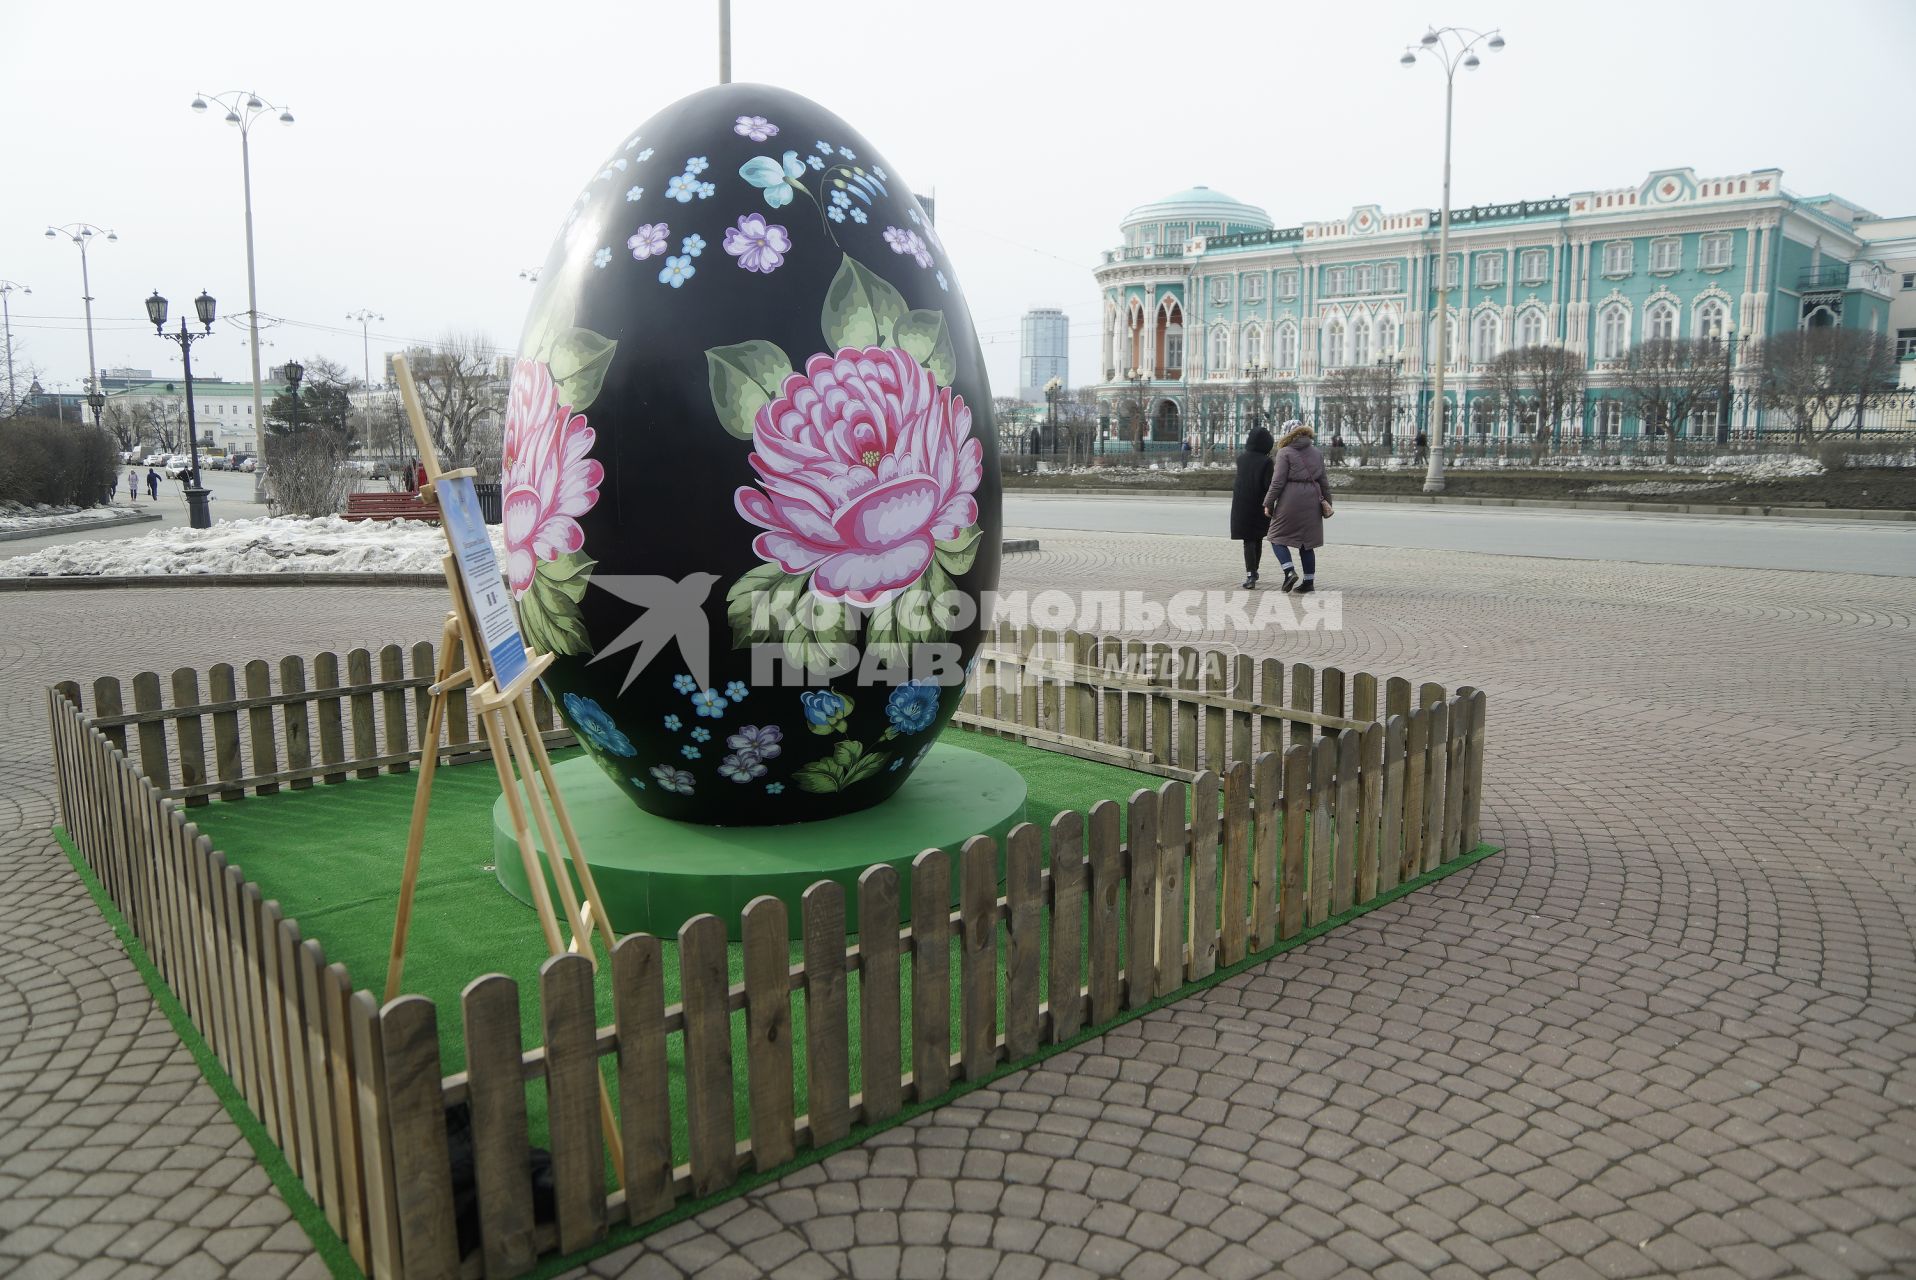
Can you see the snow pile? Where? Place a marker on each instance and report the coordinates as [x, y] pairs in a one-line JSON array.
[[1763, 466], [1653, 488], [20, 517], [281, 544]]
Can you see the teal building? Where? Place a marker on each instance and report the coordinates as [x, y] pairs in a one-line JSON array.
[[1207, 299]]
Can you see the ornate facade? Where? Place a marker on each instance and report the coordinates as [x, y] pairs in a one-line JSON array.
[[1207, 300]]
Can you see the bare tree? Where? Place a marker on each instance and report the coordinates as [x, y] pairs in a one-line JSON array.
[[1666, 379], [1138, 416], [1828, 378], [462, 400], [126, 421], [1546, 379]]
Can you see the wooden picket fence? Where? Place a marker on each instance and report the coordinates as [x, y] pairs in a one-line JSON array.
[[1134, 901]]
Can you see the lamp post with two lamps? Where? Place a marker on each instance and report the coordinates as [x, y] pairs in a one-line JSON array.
[[243, 107], [1452, 47], [82, 233], [197, 514]]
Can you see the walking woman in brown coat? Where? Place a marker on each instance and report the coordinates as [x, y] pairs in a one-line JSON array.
[[1298, 501]]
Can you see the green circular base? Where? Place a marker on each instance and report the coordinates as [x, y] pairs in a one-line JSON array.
[[654, 874]]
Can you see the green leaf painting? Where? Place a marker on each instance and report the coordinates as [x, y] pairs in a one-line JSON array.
[[848, 763], [549, 612], [746, 604], [925, 334], [579, 360], [861, 309], [958, 554], [745, 378]]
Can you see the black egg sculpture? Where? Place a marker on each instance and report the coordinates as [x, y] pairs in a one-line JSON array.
[[751, 491]]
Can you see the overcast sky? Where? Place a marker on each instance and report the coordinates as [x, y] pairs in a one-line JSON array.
[[437, 146]]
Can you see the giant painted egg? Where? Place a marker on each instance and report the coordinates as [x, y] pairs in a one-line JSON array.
[[751, 483]]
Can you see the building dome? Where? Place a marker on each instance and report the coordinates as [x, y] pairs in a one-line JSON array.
[[1221, 214]]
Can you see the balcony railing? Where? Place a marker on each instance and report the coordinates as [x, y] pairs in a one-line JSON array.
[[1143, 253], [1823, 278]]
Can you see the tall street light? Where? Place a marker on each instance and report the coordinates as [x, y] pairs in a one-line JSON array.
[[6, 316], [197, 514], [1450, 47], [365, 317], [243, 107], [82, 233]]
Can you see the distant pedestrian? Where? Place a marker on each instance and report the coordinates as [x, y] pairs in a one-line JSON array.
[[113, 490], [419, 476], [1337, 450], [132, 485], [1248, 522], [153, 483], [1298, 502], [1423, 447]]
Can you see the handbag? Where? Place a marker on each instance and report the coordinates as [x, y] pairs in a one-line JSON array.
[[1325, 507]]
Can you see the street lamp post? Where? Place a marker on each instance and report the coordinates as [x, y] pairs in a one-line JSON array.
[[365, 318], [1452, 47], [294, 371], [243, 107], [1724, 393], [81, 233], [6, 316], [197, 514]]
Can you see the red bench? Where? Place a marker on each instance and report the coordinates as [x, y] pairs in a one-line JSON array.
[[390, 506]]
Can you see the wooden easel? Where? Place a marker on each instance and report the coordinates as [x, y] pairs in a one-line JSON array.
[[525, 772]]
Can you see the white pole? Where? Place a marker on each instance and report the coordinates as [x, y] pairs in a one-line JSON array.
[[725, 41], [1434, 477], [252, 323]]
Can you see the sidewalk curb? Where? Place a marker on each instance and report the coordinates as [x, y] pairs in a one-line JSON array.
[[1890, 515], [108, 582], [82, 527]]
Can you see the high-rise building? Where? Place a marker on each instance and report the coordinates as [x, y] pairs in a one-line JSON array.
[[1043, 351]]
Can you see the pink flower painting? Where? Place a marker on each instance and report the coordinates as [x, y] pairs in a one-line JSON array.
[[548, 479], [863, 463]]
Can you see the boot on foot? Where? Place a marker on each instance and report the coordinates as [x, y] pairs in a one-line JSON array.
[[1290, 580], [1303, 587]]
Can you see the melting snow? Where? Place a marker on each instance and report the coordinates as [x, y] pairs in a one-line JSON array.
[[282, 544]]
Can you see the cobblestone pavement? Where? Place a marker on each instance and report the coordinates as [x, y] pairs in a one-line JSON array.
[[1668, 1031]]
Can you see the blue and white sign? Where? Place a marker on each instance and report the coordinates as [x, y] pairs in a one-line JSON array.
[[486, 594]]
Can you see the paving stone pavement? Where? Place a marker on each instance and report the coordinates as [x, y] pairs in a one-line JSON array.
[[1669, 1031]]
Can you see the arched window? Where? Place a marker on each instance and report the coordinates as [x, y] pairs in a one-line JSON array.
[[1660, 321], [1613, 332], [1483, 338], [1220, 348], [1334, 344], [1286, 354], [1386, 337], [1453, 353], [1360, 341], [1710, 319], [1483, 417], [1530, 328], [1526, 417], [1253, 344]]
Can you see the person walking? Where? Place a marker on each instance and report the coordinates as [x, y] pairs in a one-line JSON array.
[[1298, 502], [132, 486], [1248, 522], [1423, 448], [153, 483]]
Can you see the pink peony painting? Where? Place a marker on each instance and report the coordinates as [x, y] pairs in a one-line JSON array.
[[548, 480], [863, 463]]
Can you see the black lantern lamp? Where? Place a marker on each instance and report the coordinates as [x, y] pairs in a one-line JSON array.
[[156, 307]]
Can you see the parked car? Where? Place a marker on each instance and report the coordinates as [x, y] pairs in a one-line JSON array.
[[213, 464], [249, 463], [152, 459]]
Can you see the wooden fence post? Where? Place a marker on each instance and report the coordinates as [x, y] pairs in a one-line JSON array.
[[1202, 925], [1141, 906], [879, 1032], [930, 974], [978, 955], [768, 1031], [375, 1136], [1064, 993], [704, 993], [828, 1080], [645, 1102], [501, 1149], [1237, 871], [569, 1022], [1291, 887], [1024, 940], [416, 1121], [299, 743], [1344, 873], [1105, 873]]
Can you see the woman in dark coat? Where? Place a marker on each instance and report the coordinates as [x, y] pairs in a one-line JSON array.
[[1298, 500], [1248, 523]]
